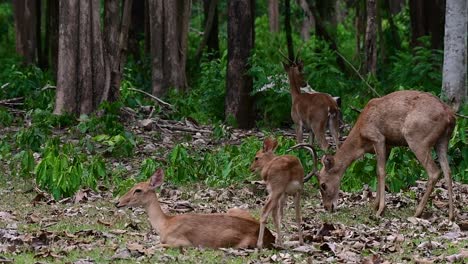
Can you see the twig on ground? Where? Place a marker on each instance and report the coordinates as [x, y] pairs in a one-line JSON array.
[[181, 128], [153, 97]]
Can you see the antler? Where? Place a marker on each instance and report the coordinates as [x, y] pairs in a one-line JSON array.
[[311, 149], [299, 51], [286, 57]]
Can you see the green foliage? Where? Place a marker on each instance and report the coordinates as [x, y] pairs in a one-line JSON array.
[[32, 137], [458, 150], [108, 123], [63, 170], [419, 69], [120, 145], [6, 119]]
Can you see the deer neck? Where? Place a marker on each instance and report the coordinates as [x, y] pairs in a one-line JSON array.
[[349, 151], [156, 215], [294, 85]]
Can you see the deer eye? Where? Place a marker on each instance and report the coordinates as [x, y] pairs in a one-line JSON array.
[[256, 158], [137, 191]]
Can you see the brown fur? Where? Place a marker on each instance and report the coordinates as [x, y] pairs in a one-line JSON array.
[[406, 118], [313, 112], [193, 230], [283, 176]]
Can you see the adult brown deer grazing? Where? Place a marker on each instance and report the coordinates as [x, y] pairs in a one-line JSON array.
[[234, 229], [312, 111], [406, 118], [283, 175]]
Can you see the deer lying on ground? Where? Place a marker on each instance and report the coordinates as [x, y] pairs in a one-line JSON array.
[[406, 118], [312, 111], [283, 175], [234, 229]]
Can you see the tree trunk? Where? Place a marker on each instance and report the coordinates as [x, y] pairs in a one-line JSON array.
[[53, 32], [308, 22], [287, 27], [169, 22], [147, 28], [137, 28], [454, 88], [239, 103], [81, 74], [371, 37], [427, 19], [210, 9], [273, 15], [42, 54], [26, 32]]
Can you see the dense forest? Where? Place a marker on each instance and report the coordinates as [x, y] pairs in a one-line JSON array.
[[96, 96]]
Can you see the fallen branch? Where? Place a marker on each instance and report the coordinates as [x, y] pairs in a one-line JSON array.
[[360, 76], [153, 97], [462, 116], [186, 129]]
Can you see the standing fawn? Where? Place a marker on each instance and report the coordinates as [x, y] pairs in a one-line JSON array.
[[312, 111], [283, 175], [406, 118], [234, 229]]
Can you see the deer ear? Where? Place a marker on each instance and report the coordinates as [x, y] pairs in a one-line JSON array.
[[328, 162], [269, 144], [157, 179], [274, 145]]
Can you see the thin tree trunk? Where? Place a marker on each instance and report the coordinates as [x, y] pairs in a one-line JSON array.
[[273, 15], [137, 28], [308, 22], [238, 102], [42, 58], [287, 27], [65, 99], [148, 39], [111, 40], [26, 32], [454, 86], [427, 19], [53, 28], [156, 12], [371, 37], [210, 11], [85, 67]]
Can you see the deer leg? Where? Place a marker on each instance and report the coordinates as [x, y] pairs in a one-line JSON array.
[[334, 126], [271, 203], [381, 159], [441, 149], [423, 153], [319, 131], [277, 221], [297, 205], [299, 132]]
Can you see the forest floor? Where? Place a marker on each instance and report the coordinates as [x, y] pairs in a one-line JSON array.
[[88, 228]]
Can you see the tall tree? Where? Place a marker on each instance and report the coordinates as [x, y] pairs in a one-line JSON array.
[[308, 22], [25, 13], [371, 37], [287, 28], [273, 15], [169, 23], [427, 19], [210, 34], [137, 28], [454, 87], [86, 69], [241, 32], [52, 35]]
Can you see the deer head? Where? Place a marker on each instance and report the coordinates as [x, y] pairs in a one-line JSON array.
[[264, 155], [329, 182], [295, 74], [142, 193]]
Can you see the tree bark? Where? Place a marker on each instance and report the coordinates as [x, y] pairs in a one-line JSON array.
[[273, 15], [454, 87], [308, 21], [287, 27], [238, 102], [169, 22], [371, 37], [24, 12], [427, 19], [137, 28], [53, 30], [211, 19]]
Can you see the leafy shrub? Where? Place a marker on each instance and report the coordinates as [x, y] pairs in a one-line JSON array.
[[32, 137], [120, 145], [63, 170], [6, 119]]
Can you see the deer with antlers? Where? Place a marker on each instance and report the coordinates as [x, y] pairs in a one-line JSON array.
[[311, 111], [283, 176], [405, 118], [237, 228]]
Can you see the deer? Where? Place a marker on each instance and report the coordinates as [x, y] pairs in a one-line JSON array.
[[234, 229], [283, 176], [415, 119], [311, 111]]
